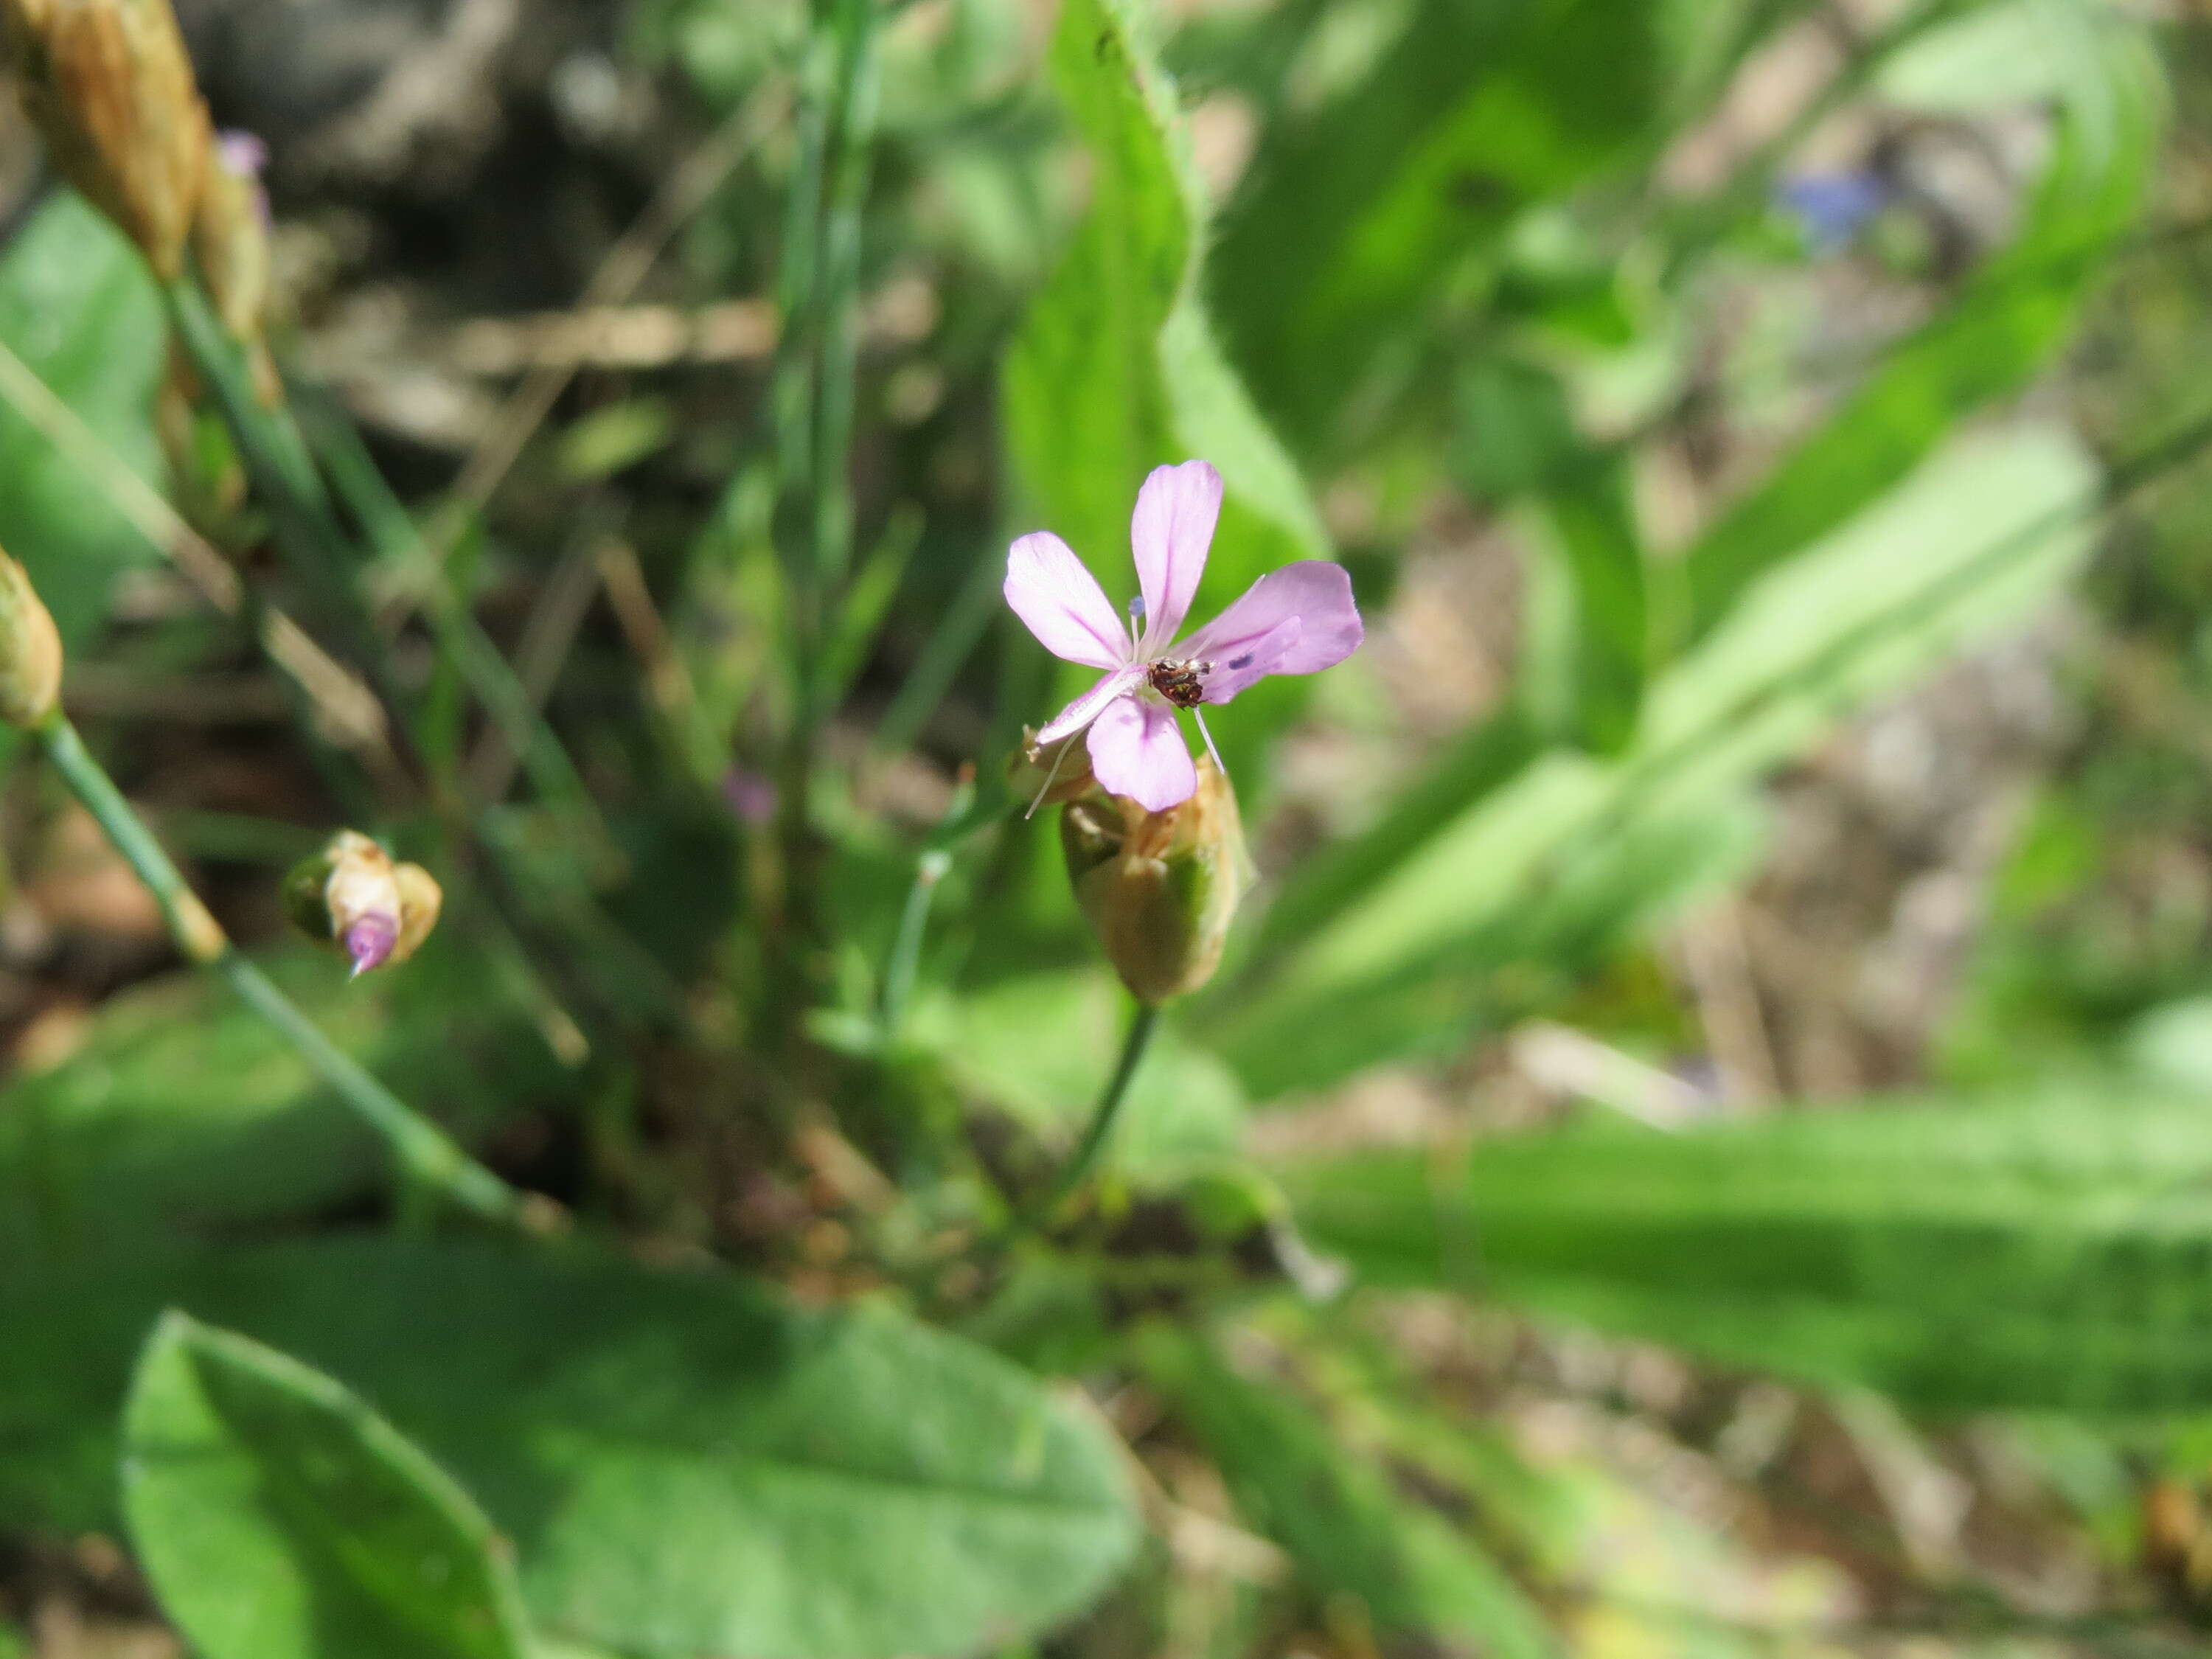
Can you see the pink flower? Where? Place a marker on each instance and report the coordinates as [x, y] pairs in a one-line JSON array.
[[1298, 620]]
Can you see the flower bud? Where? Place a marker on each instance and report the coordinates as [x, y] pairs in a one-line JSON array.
[[30, 650], [110, 86], [421, 899], [352, 896], [1160, 889]]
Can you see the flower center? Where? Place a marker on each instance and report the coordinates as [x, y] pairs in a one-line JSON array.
[[1182, 683]]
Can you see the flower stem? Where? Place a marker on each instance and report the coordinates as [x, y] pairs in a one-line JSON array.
[[1142, 1024], [425, 1153]]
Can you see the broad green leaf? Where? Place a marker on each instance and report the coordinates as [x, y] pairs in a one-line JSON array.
[[688, 1466], [1348, 1531], [78, 307], [1115, 369], [2006, 323], [279, 1517], [1956, 1255], [1335, 259], [184, 1110], [1973, 541]]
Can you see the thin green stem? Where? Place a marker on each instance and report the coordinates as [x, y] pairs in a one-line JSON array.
[[1142, 1024], [425, 1153], [905, 959], [393, 534], [314, 540], [930, 869], [813, 404]]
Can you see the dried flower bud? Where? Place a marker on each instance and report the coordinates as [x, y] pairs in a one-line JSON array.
[[110, 88], [1160, 889], [30, 650], [352, 896]]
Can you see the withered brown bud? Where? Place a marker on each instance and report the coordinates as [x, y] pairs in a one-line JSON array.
[[110, 88], [1160, 889], [30, 650]]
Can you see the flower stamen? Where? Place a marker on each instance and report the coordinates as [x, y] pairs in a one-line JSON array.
[[1199, 714]]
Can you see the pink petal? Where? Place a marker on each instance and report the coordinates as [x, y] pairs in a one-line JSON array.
[[1091, 704], [1314, 591], [1137, 749], [1169, 534], [1262, 656], [1062, 603]]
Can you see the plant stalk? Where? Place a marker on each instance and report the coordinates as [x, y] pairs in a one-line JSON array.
[[1142, 1024], [427, 1155]]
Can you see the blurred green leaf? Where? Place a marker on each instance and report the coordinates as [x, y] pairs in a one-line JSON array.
[[279, 1517], [687, 1464], [1583, 677], [77, 306], [1973, 541], [616, 436], [1354, 224], [1115, 369], [184, 1110], [1349, 1532], [1957, 1256], [2011, 314], [1586, 616], [1996, 57]]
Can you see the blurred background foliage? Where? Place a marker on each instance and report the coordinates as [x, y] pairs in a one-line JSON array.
[[1701, 1144]]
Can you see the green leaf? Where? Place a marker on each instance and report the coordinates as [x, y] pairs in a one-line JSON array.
[[1581, 677], [1411, 952], [1956, 1255], [1584, 679], [1334, 261], [78, 307], [687, 1465], [184, 1110], [1349, 1532], [279, 1517], [1115, 369], [2011, 316]]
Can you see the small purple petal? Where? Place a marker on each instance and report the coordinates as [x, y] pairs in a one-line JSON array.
[[1314, 591], [1263, 656], [1137, 749], [370, 939], [750, 794], [1169, 535], [1062, 603], [240, 152], [1092, 703]]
